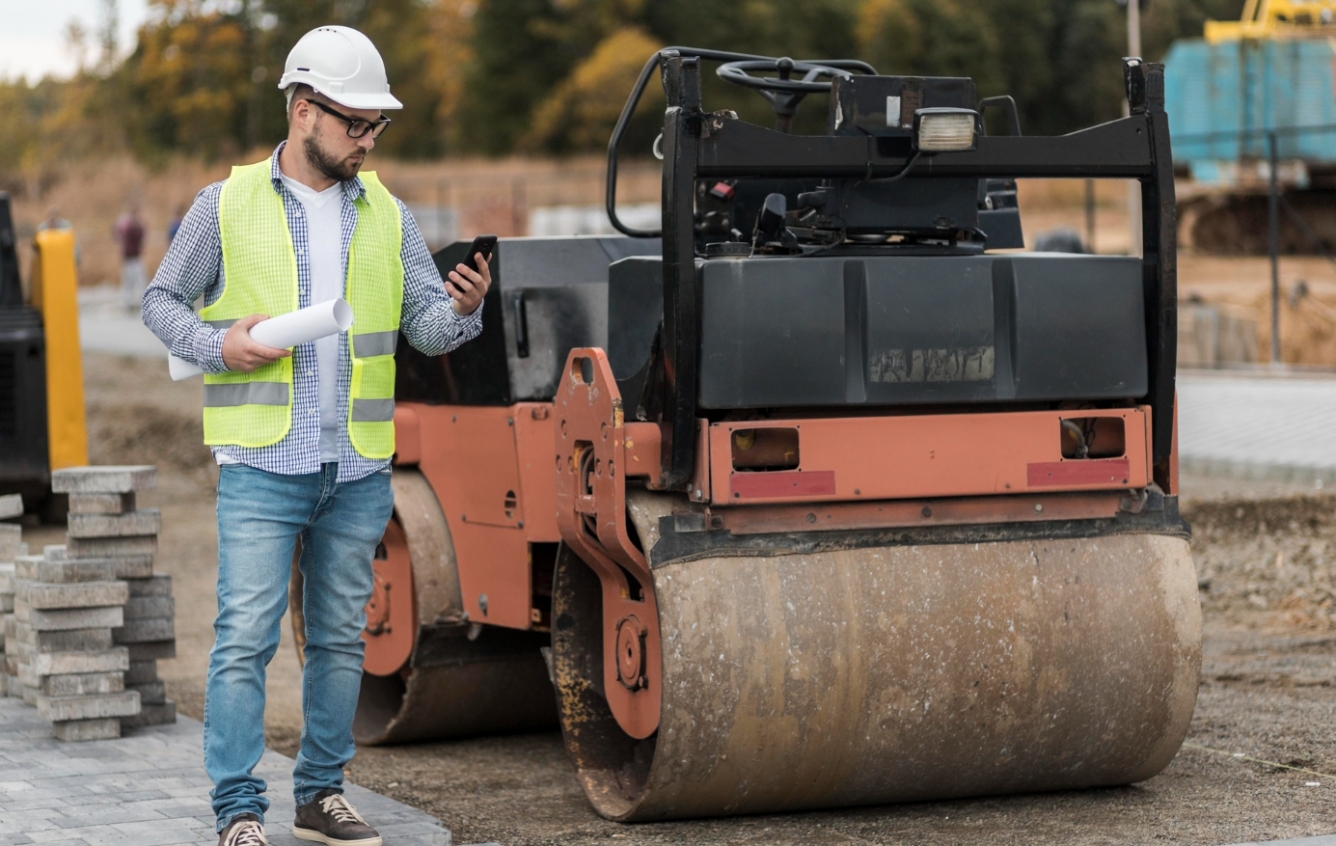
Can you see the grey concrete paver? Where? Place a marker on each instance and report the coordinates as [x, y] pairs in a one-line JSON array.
[[147, 788], [1258, 426]]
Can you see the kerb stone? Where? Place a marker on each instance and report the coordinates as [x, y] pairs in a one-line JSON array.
[[151, 693], [68, 663], [151, 586], [96, 503], [11, 505], [152, 651], [69, 618], [81, 730], [135, 523], [141, 672], [70, 640], [111, 547], [11, 538], [61, 708], [143, 607], [83, 684], [108, 479], [145, 631], [37, 568], [152, 715], [49, 597]]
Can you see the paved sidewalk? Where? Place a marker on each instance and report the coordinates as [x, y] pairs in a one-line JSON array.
[[147, 789], [1258, 426]]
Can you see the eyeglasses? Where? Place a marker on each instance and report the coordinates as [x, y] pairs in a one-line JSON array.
[[356, 126]]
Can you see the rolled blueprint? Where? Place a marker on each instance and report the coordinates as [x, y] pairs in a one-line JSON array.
[[287, 330]]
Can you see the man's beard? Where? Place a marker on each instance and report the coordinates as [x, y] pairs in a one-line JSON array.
[[341, 170]]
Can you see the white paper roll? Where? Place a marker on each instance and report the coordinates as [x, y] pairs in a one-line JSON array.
[[285, 331]]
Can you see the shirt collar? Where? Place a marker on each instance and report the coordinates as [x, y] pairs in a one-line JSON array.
[[353, 189]]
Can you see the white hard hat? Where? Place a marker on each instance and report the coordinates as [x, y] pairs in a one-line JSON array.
[[343, 65]]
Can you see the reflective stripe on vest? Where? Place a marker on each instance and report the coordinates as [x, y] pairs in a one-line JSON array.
[[260, 271], [245, 393]]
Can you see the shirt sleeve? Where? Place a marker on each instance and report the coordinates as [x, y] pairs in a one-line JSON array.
[[193, 263], [430, 322]]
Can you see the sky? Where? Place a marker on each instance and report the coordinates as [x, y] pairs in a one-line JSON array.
[[32, 34]]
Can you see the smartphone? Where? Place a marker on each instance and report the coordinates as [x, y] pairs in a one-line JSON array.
[[482, 244]]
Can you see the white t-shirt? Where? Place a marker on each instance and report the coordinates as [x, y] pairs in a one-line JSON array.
[[324, 230]]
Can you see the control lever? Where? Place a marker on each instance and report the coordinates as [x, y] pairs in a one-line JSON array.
[[770, 223]]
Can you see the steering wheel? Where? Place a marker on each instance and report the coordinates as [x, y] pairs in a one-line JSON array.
[[784, 92]]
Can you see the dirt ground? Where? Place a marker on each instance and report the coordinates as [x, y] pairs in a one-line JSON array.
[[1266, 555]]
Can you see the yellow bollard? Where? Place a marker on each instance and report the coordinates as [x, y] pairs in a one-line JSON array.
[[55, 286]]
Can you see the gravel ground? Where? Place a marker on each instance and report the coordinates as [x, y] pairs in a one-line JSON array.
[[1266, 556]]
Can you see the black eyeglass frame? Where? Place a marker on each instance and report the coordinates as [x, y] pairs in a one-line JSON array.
[[375, 127]]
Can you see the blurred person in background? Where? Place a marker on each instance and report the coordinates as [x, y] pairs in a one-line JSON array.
[[129, 234]]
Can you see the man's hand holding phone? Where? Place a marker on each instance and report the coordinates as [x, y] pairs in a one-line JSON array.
[[469, 281]]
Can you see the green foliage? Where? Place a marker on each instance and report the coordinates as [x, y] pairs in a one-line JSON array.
[[550, 76]]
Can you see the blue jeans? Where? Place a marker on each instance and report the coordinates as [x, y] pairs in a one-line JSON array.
[[260, 517]]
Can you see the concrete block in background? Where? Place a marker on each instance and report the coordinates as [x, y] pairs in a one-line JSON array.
[[131, 524], [69, 618], [11, 505], [152, 715], [70, 640], [151, 693], [134, 566], [13, 688], [98, 503], [141, 672], [6, 603], [111, 547], [112, 660], [109, 479], [153, 586], [8, 571], [4, 684], [145, 607], [149, 630], [42, 596], [82, 684], [38, 568], [80, 730], [11, 539], [152, 651], [62, 708], [29, 695]]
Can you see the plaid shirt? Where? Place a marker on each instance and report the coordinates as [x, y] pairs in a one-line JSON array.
[[193, 267]]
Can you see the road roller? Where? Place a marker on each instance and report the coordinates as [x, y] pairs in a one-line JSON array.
[[826, 493]]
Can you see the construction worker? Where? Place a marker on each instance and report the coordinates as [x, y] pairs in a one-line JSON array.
[[303, 438]]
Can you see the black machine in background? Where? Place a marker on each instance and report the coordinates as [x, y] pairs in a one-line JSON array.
[[24, 463]]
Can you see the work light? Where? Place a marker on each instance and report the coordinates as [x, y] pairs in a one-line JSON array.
[[944, 129]]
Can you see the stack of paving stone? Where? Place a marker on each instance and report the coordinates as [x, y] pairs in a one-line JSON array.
[[64, 613], [104, 525], [11, 547]]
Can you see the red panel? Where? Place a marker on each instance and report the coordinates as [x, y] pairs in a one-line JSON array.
[[744, 486], [469, 456], [538, 478], [920, 456], [1065, 473]]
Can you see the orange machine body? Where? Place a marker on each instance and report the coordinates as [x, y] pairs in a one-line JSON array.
[[494, 470]]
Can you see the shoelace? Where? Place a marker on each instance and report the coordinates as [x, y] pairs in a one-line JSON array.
[[247, 833], [336, 806]]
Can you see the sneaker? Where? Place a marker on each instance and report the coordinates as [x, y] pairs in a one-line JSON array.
[[329, 819], [244, 830]]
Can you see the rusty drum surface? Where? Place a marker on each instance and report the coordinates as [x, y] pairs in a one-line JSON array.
[[892, 674]]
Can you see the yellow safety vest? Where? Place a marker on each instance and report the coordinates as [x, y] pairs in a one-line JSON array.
[[260, 277]]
